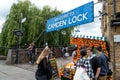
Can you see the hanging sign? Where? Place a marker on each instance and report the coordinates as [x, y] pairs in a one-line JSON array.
[[78, 16]]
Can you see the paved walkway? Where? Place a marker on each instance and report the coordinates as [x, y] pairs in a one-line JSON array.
[[9, 72], [23, 71]]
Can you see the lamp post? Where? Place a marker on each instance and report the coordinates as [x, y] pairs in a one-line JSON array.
[[22, 21], [18, 33]]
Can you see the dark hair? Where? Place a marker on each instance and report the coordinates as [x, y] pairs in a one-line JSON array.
[[89, 48], [75, 48], [83, 52], [99, 48]]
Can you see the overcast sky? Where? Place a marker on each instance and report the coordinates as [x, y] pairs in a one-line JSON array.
[[91, 29]]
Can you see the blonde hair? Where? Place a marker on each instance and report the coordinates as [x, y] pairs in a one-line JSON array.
[[43, 54]]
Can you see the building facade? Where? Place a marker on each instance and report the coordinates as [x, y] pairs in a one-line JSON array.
[[110, 26]]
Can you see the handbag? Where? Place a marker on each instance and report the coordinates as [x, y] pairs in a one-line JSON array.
[[81, 74]]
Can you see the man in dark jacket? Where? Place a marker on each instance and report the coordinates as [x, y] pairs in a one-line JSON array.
[[103, 64]]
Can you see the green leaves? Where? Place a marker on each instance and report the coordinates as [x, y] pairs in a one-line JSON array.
[[33, 28]]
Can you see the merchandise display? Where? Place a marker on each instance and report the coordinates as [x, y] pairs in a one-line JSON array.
[[89, 42], [54, 68], [67, 72]]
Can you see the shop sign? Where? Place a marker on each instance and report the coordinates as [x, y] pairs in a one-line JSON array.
[[78, 16]]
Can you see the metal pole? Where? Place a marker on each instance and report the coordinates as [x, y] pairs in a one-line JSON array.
[[20, 30], [39, 36], [17, 53], [46, 36], [21, 21], [46, 39]]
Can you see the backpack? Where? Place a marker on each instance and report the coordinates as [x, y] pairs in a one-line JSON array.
[[109, 73], [49, 70]]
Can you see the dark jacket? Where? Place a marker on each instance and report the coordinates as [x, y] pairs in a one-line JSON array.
[[103, 64], [42, 70], [95, 64]]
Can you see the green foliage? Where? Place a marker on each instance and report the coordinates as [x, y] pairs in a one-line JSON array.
[[33, 28]]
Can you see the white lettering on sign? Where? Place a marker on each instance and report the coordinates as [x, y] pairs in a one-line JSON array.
[[78, 18], [71, 20], [57, 24], [62, 17]]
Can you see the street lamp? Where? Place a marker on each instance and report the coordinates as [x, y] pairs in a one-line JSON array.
[[18, 33], [22, 21]]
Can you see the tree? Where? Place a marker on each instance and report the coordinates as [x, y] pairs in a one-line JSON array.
[[32, 27]]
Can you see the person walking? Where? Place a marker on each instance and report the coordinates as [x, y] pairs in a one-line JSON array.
[[64, 50], [44, 70], [74, 54], [103, 64], [94, 62], [52, 53], [29, 52], [34, 52]]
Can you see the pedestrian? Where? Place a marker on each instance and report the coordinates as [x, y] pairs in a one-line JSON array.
[[44, 71], [34, 52], [74, 54], [52, 53], [94, 62], [84, 62], [29, 52], [64, 50], [103, 64], [66, 54]]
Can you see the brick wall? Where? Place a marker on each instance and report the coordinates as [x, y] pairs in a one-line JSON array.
[[109, 32]]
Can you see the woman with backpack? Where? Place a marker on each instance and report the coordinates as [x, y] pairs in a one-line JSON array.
[[44, 71]]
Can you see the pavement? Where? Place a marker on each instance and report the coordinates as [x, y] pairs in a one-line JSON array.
[[24, 71]]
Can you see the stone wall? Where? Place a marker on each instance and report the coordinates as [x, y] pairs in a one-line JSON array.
[[24, 58]]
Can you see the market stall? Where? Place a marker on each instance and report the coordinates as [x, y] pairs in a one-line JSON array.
[[89, 42], [67, 72]]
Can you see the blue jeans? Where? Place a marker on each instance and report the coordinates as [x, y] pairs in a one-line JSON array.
[[33, 58]]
